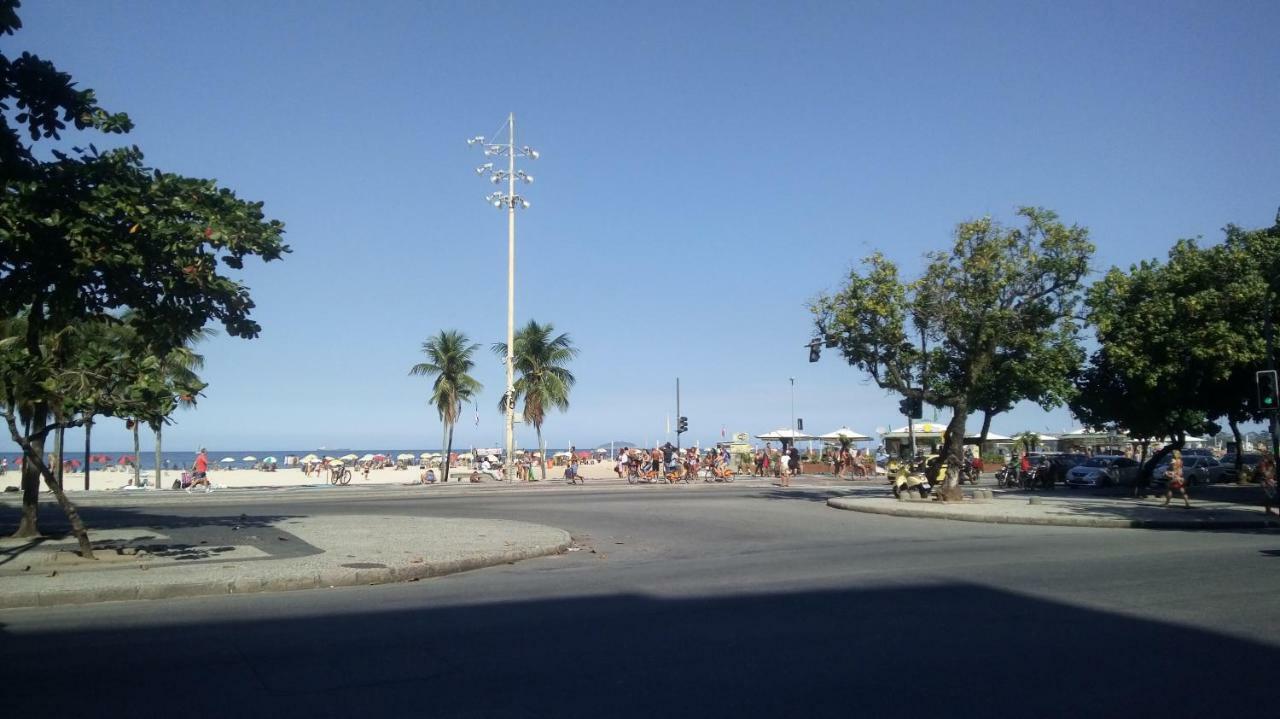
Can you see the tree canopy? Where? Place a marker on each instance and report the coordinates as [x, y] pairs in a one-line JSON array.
[[988, 323]]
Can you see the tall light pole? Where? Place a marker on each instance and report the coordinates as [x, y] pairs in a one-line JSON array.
[[510, 200], [793, 408]]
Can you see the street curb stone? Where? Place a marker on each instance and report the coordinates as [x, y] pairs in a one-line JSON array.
[[856, 505]]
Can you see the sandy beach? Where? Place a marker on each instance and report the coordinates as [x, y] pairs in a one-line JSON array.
[[111, 479]]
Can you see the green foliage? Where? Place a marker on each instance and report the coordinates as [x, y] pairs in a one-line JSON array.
[[449, 361], [543, 380], [1179, 340]]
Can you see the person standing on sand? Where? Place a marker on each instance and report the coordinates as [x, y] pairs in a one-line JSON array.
[[200, 472]]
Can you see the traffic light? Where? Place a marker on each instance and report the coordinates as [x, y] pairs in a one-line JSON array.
[[799, 424], [912, 408], [1268, 390], [815, 350], [682, 426]]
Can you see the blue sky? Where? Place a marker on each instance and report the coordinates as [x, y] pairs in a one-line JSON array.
[[706, 169]]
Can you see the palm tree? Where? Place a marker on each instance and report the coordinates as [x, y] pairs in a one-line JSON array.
[[449, 361], [540, 358], [181, 385]]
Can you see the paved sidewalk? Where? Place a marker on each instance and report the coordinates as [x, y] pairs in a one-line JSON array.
[[1070, 510], [192, 556]]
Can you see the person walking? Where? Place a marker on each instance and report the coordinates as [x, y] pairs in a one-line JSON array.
[[1175, 481], [1265, 474], [200, 472]]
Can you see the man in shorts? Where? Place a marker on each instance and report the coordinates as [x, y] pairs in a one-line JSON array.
[[200, 472]]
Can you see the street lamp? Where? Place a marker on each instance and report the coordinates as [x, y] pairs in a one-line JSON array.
[[511, 201]]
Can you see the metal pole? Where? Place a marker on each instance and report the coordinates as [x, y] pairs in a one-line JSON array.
[[511, 297], [793, 406], [677, 413], [1271, 364]]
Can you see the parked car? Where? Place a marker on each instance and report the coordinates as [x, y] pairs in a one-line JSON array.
[[1195, 470], [1249, 463], [1197, 451], [1103, 471]]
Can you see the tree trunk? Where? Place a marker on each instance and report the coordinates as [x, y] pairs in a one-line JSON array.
[[158, 428], [137, 452], [59, 435], [1149, 466], [32, 448], [88, 428], [953, 455], [542, 452], [29, 525], [1235, 432], [986, 428], [448, 451]]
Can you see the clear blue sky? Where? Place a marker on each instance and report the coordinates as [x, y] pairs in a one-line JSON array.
[[706, 169]]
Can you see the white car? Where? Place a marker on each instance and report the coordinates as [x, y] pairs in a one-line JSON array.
[[1196, 469], [1102, 471]]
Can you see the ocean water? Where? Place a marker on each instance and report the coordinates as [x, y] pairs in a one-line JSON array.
[[185, 459]]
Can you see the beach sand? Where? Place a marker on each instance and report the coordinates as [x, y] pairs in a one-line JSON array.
[[110, 479]]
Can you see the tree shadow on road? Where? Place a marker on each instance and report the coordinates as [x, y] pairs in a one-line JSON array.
[[945, 650], [163, 535]]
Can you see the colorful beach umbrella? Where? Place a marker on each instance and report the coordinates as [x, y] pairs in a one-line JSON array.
[[269, 460]]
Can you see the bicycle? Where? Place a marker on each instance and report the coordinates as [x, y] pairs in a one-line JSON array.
[[339, 475]]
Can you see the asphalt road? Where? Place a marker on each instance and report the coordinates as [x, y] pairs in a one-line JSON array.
[[706, 601]]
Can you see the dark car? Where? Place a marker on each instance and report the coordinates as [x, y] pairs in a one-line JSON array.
[[1103, 471], [1250, 462], [1058, 465]]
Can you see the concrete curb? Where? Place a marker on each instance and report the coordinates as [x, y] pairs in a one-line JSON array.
[[325, 578], [856, 505]]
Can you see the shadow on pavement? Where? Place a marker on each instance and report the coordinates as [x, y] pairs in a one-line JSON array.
[[185, 537], [948, 650]]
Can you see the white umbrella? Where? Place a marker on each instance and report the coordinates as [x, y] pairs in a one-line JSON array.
[[348, 458], [310, 458], [404, 455], [228, 459], [562, 454], [784, 433], [425, 455], [250, 458], [844, 433], [367, 458]]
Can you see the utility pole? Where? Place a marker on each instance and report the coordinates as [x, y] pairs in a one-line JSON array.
[[678, 413], [510, 200]]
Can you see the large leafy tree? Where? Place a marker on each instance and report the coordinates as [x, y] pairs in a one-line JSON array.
[[971, 332], [1180, 340], [87, 234], [544, 382], [449, 361]]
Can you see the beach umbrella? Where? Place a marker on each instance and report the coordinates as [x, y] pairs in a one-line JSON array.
[[379, 457], [367, 458], [349, 458], [227, 459], [404, 455], [334, 461], [269, 460], [250, 458], [845, 434], [310, 458]]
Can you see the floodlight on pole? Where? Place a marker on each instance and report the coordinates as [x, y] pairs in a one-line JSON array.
[[510, 200]]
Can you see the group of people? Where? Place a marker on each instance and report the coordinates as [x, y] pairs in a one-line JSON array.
[[783, 463], [668, 462]]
